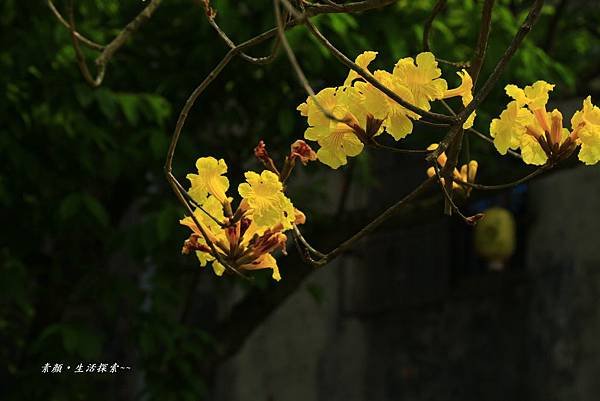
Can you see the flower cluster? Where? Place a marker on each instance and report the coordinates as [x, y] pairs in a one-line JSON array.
[[361, 111], [526, 125], [246, 237], [467, 173]]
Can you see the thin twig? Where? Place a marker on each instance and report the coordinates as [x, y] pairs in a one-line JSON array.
[[378, 145], [110, 49], [253, 60], [354, 7], [175, 186], [371, 79], [490, 140], [374, 224], [528, 177], [88, 42], [482, 40], [197, 205], [294, 62], [305, 243], [437, 8], [503, 62], [551, 30], [447, 196], [479, 134]]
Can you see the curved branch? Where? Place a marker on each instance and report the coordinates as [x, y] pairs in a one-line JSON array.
[[437, 8], [482, 40], [88, 42], [294, 61], [109, 50], [485, 90], [253, 60], [372, 226], [369, 78], [354, 7], [490, 140], [528, 177]]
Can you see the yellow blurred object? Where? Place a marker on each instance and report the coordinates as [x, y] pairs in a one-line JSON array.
[[495, 237]]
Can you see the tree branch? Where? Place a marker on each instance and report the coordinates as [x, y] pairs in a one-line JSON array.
[[109, 50], [369, 78], [503, 62], [482, 40], [89, 43]]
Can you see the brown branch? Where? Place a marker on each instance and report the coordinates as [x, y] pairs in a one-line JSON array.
[[490, 140], [482, 40], [552, 30], [437, 8], [503, 62], [528, 177], [175, 185], [258, 304], [373, 225], [452, 153], [354, 7], [447, 193], [183, 114], [294, 61], [110, 49], [253, 60], [378, 145], [369, 78], [88, 42]]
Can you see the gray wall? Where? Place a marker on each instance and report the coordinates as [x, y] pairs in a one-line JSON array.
[[394, 325]]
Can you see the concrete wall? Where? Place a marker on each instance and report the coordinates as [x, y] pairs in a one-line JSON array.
[[394, 324]]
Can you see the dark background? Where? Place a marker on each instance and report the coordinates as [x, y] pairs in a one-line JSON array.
[[90, 264]]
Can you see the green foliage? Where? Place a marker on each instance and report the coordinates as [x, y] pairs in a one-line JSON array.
[[89, 261]]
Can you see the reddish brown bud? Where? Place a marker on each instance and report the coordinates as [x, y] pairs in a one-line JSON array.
[[260, 151], [472, 220], [210, 12], [191, 244], [301, 150]]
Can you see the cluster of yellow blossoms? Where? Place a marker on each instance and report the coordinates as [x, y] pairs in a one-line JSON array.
[[466, 174], [246, 237], [364, 111], [526, 125]]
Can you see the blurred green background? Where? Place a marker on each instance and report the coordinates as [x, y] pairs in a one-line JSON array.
[[90, 269]]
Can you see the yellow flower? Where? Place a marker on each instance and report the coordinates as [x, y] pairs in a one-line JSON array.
[[209, 180], [508, 129], [532, 150], [268, 205], [586, 126], [363, 60], [467, 172], [243, 239], [422, 79], [266, 261], [337, 139], [211, 228], [395, 118], [534, 96], [465, 91]]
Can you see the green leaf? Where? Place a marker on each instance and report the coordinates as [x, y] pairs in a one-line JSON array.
[[106, 102], [165, 223], [69, 206], [96, 209], [130, 105]]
